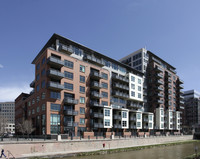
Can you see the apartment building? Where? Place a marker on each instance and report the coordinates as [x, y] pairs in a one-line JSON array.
[[162, 86], [7, 113], [192, 110], [79, 90]]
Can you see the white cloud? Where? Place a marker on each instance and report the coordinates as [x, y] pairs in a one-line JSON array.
[[1, 66], [10, 93]]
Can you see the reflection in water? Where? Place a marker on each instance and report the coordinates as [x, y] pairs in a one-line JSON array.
[[168, 152]]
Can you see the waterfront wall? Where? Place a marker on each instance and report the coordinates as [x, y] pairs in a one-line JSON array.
[[30, 149]]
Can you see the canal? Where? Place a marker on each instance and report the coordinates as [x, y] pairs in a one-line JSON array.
[[165, 152]]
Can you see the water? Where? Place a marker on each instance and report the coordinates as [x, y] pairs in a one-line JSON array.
[[168, 152]]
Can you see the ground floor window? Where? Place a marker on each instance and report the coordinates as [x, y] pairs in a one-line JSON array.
[[107, 122], [55, 123]]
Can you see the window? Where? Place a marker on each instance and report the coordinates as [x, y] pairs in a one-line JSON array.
[[139, 88], [43, 72], [150, 117], [69, 64], [33, 111], [138, 116], [132, 86], [82, 100], [55, 95], [124, 123], [43, 84], [82, 68], [162, 119], [37, 77], [138, 124], [38, 109], [43, 95], [107, 122], [124, 114], [38, 99], [68, 86], [105, 94], [82, 79], [162, 112], [139, 95], [55, 107], [104, 103], [104, 76], [82, 110], [43, 107], [29, 113], [38, 87], [33, 101], [107, 112], [82, 121], [43, 60], [29, 103], [139, 81], [132, 94], [38, 66], [69, 75], [82, 89], [132, 78], [104, 85]]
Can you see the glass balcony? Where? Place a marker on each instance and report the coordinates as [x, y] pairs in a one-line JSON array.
[[159, 69], [55, 62], [117, 126], [94, 60], [120, 78], [159, 75], [70, 124], [97, 115], [96, 95], [95, 75], [132, 118], [70, 101], [98, 125], [120, 94], [117, 117], [132, 127], [55, 74], [70, 112], [96, 85], [95, 104], [66, 49], [55, 86], [120, 86]]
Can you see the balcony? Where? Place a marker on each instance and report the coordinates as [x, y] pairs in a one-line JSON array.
[[70, 124], [132, 118], [93, 60], [96, 95], [97, 115], [181, 86], [98, 125], [181, 81], [120, 78], [96, 85], [95, 104], [181, 107], [70, 101], [55, 86], [120, 86], [181, 97], [117, 126], [159, 82], [160, 101], [134, 105], [66, 49], [70, 112], [146, 127], [160, 95], [181, 102], [146, 119], [120, 94], [32, 84], [160, 89], [117, 117], [159, 75], [55, 74], [159, 69], [53, 61], [95, 75], [145, 93], [32, 92], [133, 127]]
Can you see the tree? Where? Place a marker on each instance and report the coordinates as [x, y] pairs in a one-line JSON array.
[[25, 127], [3, 124]]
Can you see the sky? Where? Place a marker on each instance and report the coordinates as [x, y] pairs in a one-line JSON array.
[[168, 28]]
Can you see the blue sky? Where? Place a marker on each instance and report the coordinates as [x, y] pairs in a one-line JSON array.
[[168, 28]]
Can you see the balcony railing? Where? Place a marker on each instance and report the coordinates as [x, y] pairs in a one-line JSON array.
[[133, 127], [70, 101], [120, 86], [181, 81], [98, 125], [70, 112], [132, 118], [55, 86], [96, 85], [159, 69], [70, 124], [120, 78], [159, 75], [93, 60], [160, 95], [181, 102], [117, 117], [66, 49], [117, 126], [96, 95], [96, 104], [135, 105], [160, 88], [55, 62], [146, 127], [146, 119], [95, 75], [97, 115], [160, 101], [120, 94], [55, 74], [160, 82]]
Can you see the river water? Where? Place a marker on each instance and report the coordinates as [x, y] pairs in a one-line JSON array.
[[168, 152]]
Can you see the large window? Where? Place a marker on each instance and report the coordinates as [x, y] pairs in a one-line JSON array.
[[124, 114], [124, 123], [132, 86], [69, 75], [69, 64], [68, 86], [43, 72], [138, 124], [55, 95], [104, 103], [82, 121], [43, 84], [107, 112], [139, 95], [132, 94], [105, 94], [82, 79], [104, 75], [55, 107], [107, 122], [139, 88], [82, 110], [132, 78], [55, 123], [38, 88], [37, 77], [138, 116], [82, 100], [82, 89], [82, 68], [43, 60], [139, 81], [38, 66], [104, 85]]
